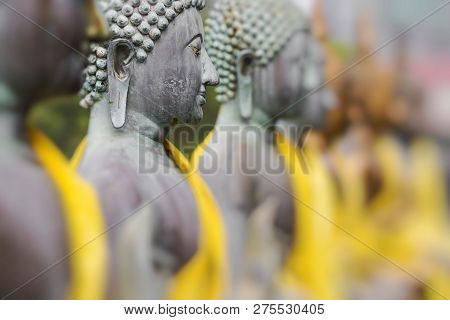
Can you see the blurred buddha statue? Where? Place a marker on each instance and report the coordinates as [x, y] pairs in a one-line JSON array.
[[317, 100], [316, 254], [321, 65], [165, 228], [40, 58], [335, 63], [258, 48]]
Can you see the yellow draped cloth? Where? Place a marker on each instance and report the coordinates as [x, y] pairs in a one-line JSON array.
[[78, 154], [205, 275], [405, 222], [355, 232], [390, 211], [420, 230], [84, 222], [312, 265], [376, 227], [196, 155], [430, 230]]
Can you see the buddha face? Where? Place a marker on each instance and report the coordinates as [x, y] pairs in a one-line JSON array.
[[171, 83], [279, 84], [42, 57], [319, 99]]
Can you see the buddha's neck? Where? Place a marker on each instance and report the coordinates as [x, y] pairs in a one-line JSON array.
[[230, 115], [262, 119], [137, 127], [292, 128]]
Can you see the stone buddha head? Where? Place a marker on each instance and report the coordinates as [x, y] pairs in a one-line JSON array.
[[318, 100], [154, 66], [41, 45], [258, 48]]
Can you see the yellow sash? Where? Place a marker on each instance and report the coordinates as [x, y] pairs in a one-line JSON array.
[[382, 223], [195, 158], [311, 263], [428, 184], [391, 205], [424, 228], [357, 259], [84, 222], [388, 154], [205, 276], [431, 226], [78, 154]]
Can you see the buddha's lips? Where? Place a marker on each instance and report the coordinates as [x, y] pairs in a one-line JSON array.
[[201, 96], [201, 100]]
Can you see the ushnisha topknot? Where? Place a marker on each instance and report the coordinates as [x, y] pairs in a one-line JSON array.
[[142, 22], [262, 26]]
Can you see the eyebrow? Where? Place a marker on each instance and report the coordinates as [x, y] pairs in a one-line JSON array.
[[198, 35]]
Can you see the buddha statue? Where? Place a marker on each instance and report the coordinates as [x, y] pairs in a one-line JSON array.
[[166, 237], [317, 101], [319, 98], [39, 58], [258, 48]]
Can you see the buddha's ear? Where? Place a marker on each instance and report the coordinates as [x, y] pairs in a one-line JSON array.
[[120, 65], [244, 67]]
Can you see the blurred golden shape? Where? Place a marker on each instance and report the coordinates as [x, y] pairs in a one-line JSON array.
[[84, 220], [311, 264], [205, 276]]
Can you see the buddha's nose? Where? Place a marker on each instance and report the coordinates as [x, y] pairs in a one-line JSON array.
[[97, 28], [210, 75]]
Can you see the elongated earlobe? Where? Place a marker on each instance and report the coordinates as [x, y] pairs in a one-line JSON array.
[[245, 86], [120, 57]]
